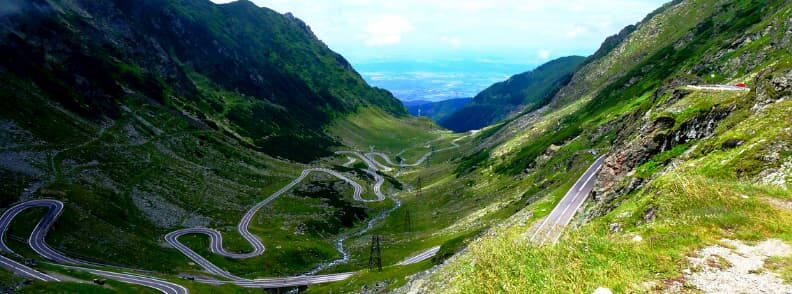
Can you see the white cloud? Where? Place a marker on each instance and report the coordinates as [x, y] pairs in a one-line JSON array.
[[543, 54], [472, 6], [463, 29], [454, 42], [575, 31], [387, 30]]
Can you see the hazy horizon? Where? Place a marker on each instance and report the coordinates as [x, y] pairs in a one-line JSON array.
[[485, 42]]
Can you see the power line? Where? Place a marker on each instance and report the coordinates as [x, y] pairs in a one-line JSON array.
[[375, 255], [407, 222], [419, 186]]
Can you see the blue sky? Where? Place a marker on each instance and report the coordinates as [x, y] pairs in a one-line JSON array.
[[516, 31], [441, 49]]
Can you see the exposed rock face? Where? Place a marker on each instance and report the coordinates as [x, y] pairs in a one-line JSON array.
[[164, 214], [776, 86], [91, 57], [653, 137], [661, 134]]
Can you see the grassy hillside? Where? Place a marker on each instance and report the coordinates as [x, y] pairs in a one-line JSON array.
[[261, 76], [702, 197], [109, 107], [375, 128], [437, 111], [684, 169], [523, 92]]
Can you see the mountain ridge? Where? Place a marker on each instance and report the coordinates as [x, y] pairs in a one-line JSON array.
[[522, 92], [290, 89], [437, 111], [684, 168]]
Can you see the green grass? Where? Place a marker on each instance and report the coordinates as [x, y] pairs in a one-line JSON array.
[[647, 169], [217, 174], [390, 277], [693, 211], [371, 127], [712, 194]]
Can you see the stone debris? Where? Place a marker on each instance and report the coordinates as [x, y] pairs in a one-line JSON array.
[[602, 291], [738, 268]]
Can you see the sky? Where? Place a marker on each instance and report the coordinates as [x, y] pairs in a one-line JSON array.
[[527, 31], [393, 43]]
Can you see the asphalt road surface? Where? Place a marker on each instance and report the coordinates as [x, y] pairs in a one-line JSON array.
[[369, 157], [38, 243], [421, 256], [216, 238], [551, 228], [718, 88], [25, 271]]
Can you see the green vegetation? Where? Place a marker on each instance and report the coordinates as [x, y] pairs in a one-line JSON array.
[[148, 145], [723, 186], [278, 102], [437, 111], [372, 127], [524, 92], [593, 257], [647, 169]]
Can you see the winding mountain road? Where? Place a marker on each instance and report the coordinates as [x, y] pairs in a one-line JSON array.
[[38, 243], [551, 228], [25, 271], [370, 155], [216, 238], [718, 88]]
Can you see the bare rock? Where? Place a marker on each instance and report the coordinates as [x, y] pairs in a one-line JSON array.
[[649, 214], [739, 268], [615, 227]]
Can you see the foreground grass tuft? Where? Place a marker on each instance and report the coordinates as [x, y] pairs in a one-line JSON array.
[[692, 211]]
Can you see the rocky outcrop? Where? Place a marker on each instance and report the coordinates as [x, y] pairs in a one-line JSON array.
[[774, 85], [661, 134]]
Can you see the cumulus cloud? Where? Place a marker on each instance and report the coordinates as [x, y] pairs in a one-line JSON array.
[[543, 54], [576, 30], [387, 30], [454, 42], [500, 29]]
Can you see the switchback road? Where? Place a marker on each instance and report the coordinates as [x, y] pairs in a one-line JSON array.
[[369, 157], [38, 243], [216, 238]]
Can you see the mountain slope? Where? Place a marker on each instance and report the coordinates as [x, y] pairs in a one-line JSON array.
[[437, 111], [523, 92], [145, 117], [256, 74], [685, 168]]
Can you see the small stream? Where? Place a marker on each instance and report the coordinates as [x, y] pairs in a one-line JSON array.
[[339, 244]]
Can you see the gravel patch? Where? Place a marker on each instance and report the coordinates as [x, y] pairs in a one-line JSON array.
[[780, 177], [780, 203], [738, 268], [133, 136], [12, 136], [23, 162], [164, 214]]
